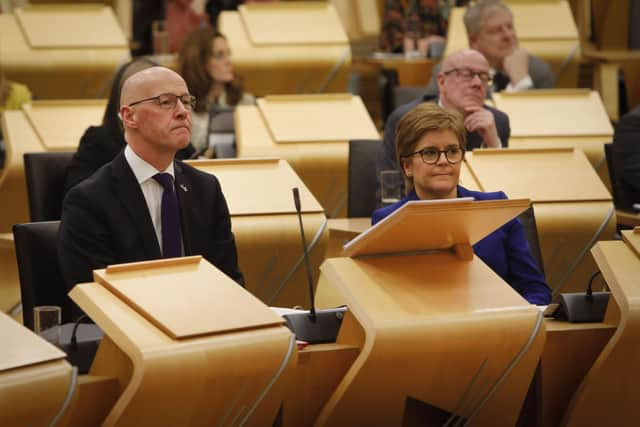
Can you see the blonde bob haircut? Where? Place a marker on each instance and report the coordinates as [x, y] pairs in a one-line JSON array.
[[426, 117]]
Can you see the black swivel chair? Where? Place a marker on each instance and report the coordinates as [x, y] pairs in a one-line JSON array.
[[41, 281], [528, 219], [362, 179], [45, 174]]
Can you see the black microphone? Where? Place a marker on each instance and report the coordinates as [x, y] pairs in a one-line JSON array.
[[312, 310], [315, 326], [583, 307]]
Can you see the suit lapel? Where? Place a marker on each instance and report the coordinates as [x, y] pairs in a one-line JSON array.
[[128, 192], [183, 190]]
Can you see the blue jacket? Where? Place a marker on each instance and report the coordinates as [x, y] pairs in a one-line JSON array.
[[505, 251]]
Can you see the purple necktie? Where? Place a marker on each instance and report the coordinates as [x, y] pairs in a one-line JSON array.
[[171, 247]]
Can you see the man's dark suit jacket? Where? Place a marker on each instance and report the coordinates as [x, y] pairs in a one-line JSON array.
[[387, 155], [105, 220], [626, 158]]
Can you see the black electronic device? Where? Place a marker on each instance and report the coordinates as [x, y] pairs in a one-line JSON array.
[[313, 326], [586, 306], [80, 342]]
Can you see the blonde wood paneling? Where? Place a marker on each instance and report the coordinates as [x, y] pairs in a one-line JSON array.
[[272, 59], [607, 394], [74, 61], [211, 377]]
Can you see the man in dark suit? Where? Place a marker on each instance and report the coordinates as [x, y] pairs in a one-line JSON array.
[[463, 86], [144, 204], [491, 31], [626, 158]]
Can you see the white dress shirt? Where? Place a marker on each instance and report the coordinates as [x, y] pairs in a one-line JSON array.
[[151, 189]]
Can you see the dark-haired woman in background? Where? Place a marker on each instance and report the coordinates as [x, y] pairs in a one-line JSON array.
[[100, 144], [430, 144], [204, 61]]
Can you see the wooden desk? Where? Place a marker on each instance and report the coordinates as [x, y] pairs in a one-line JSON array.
[[608, 63], [607, 395], [282, 48], [35, 379], [312, 133], [411, 71], [573, 208], [62, 51], [35, 128], [341, 230], [198, 365], [559, 118], [266, 228], [413, 333], [556, 42]]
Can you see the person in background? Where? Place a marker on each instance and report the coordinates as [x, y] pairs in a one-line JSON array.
[[463, 84], [12, 96], [144, 204], [626, 158], [183, 16], [205, 63], [491, 31], [100, 144], [430, 143]]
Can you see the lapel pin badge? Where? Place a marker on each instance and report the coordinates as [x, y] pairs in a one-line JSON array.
[[184, 187]]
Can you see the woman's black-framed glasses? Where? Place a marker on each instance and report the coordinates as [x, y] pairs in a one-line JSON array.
[[168, 101], [431, 156]]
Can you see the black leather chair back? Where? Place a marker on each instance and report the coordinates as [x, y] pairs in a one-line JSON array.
[[41, 281], [615, 180], [45, 174], [362, 179], [528, 219]]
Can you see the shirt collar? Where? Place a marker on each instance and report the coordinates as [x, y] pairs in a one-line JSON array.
[[141, 169]]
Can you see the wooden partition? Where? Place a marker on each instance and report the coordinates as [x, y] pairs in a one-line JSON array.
[[181, 336], [608, 394], [39, 126], [559, 118], [573, 209], [9, 282], [281, 48], [440, 336], [35, 380], [62, 51], [312, 133], [557, 41], [266, 229]]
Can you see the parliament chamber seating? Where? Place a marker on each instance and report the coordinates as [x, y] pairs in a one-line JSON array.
[[41, 281], [585, 372], [45, 174]]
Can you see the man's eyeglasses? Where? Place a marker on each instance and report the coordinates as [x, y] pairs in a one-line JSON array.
[[467, 74], [168, 101], [431, 156]]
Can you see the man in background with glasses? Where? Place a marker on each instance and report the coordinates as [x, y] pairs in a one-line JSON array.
[[462, 83], [144, 204]]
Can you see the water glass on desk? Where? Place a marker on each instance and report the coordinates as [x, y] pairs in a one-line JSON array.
[[391, 185], [160, 37], [46, 322]]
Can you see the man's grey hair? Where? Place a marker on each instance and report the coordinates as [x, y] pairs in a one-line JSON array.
[[478, 11]]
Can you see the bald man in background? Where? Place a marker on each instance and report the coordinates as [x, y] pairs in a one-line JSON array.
[[119, 214], [462, 83]]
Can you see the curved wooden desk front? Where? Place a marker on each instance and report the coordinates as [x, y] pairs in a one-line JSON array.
[[35, 380], [608, 394], [230, 375], [62, 51], [39, 126], [573, 209], [559, 118], [312, 133], [288, 48], [440, 335], [266, 228]]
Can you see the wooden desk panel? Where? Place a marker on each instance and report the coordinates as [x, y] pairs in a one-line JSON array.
[[63, 72]]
